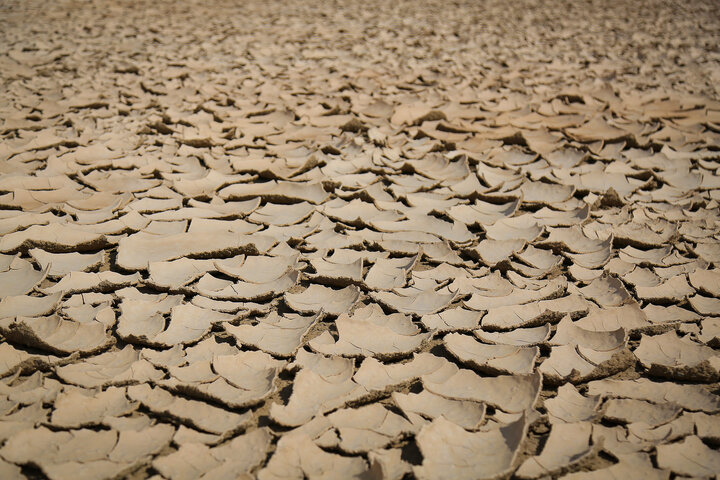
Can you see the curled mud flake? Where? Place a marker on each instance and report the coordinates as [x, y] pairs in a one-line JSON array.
[[20, 278], [56, 335], [233, 459], [207, 217], [76, 409], [690, 397], [574, 240], [492, 252], [376, 376], [279, 335], [28, 306], [53, 238], [629, 317], [510, 393], [455, 232], [62, 264], [483, 213], [216, 372], [568, 332], [187, 324], [577, 364], [467, 414], [515, 228], [136, 251], [282, 215], [451, 452], [13, 359], [281, 192], [197, 414], [369, 332], [317, 389], [78, 282], [452, 319], [176, 274], [336, 274], [627, 410], [569, 406], [207, 184], [710, 332], [492, 358], [535, 314], [388, 464], [386, 274], [689, 457], [297, 457], [706, 281], [607, 291], [220, 289], [705, 305], [651, 257], [629, 464], [670, 356], [110, 368], [368, 428], [517, 296], [424, 303], [317, 298], [34, 389], [519, 336], [567, 445], [675, 290], [84, 452]]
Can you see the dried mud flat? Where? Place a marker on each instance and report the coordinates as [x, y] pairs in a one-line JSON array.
[[379, 241]]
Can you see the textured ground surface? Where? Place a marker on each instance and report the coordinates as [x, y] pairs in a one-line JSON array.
[[374, 240]]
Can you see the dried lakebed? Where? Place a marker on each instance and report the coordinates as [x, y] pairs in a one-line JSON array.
[[378, 241]]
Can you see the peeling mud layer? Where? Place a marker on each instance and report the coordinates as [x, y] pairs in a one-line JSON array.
[[382, 240]]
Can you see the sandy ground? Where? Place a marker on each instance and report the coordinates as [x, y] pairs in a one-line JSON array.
[[377, 240]]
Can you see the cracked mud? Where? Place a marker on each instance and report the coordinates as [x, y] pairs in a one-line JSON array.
[[382, 240]]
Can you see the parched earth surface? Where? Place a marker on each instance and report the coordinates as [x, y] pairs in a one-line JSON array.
[[373, 240]]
